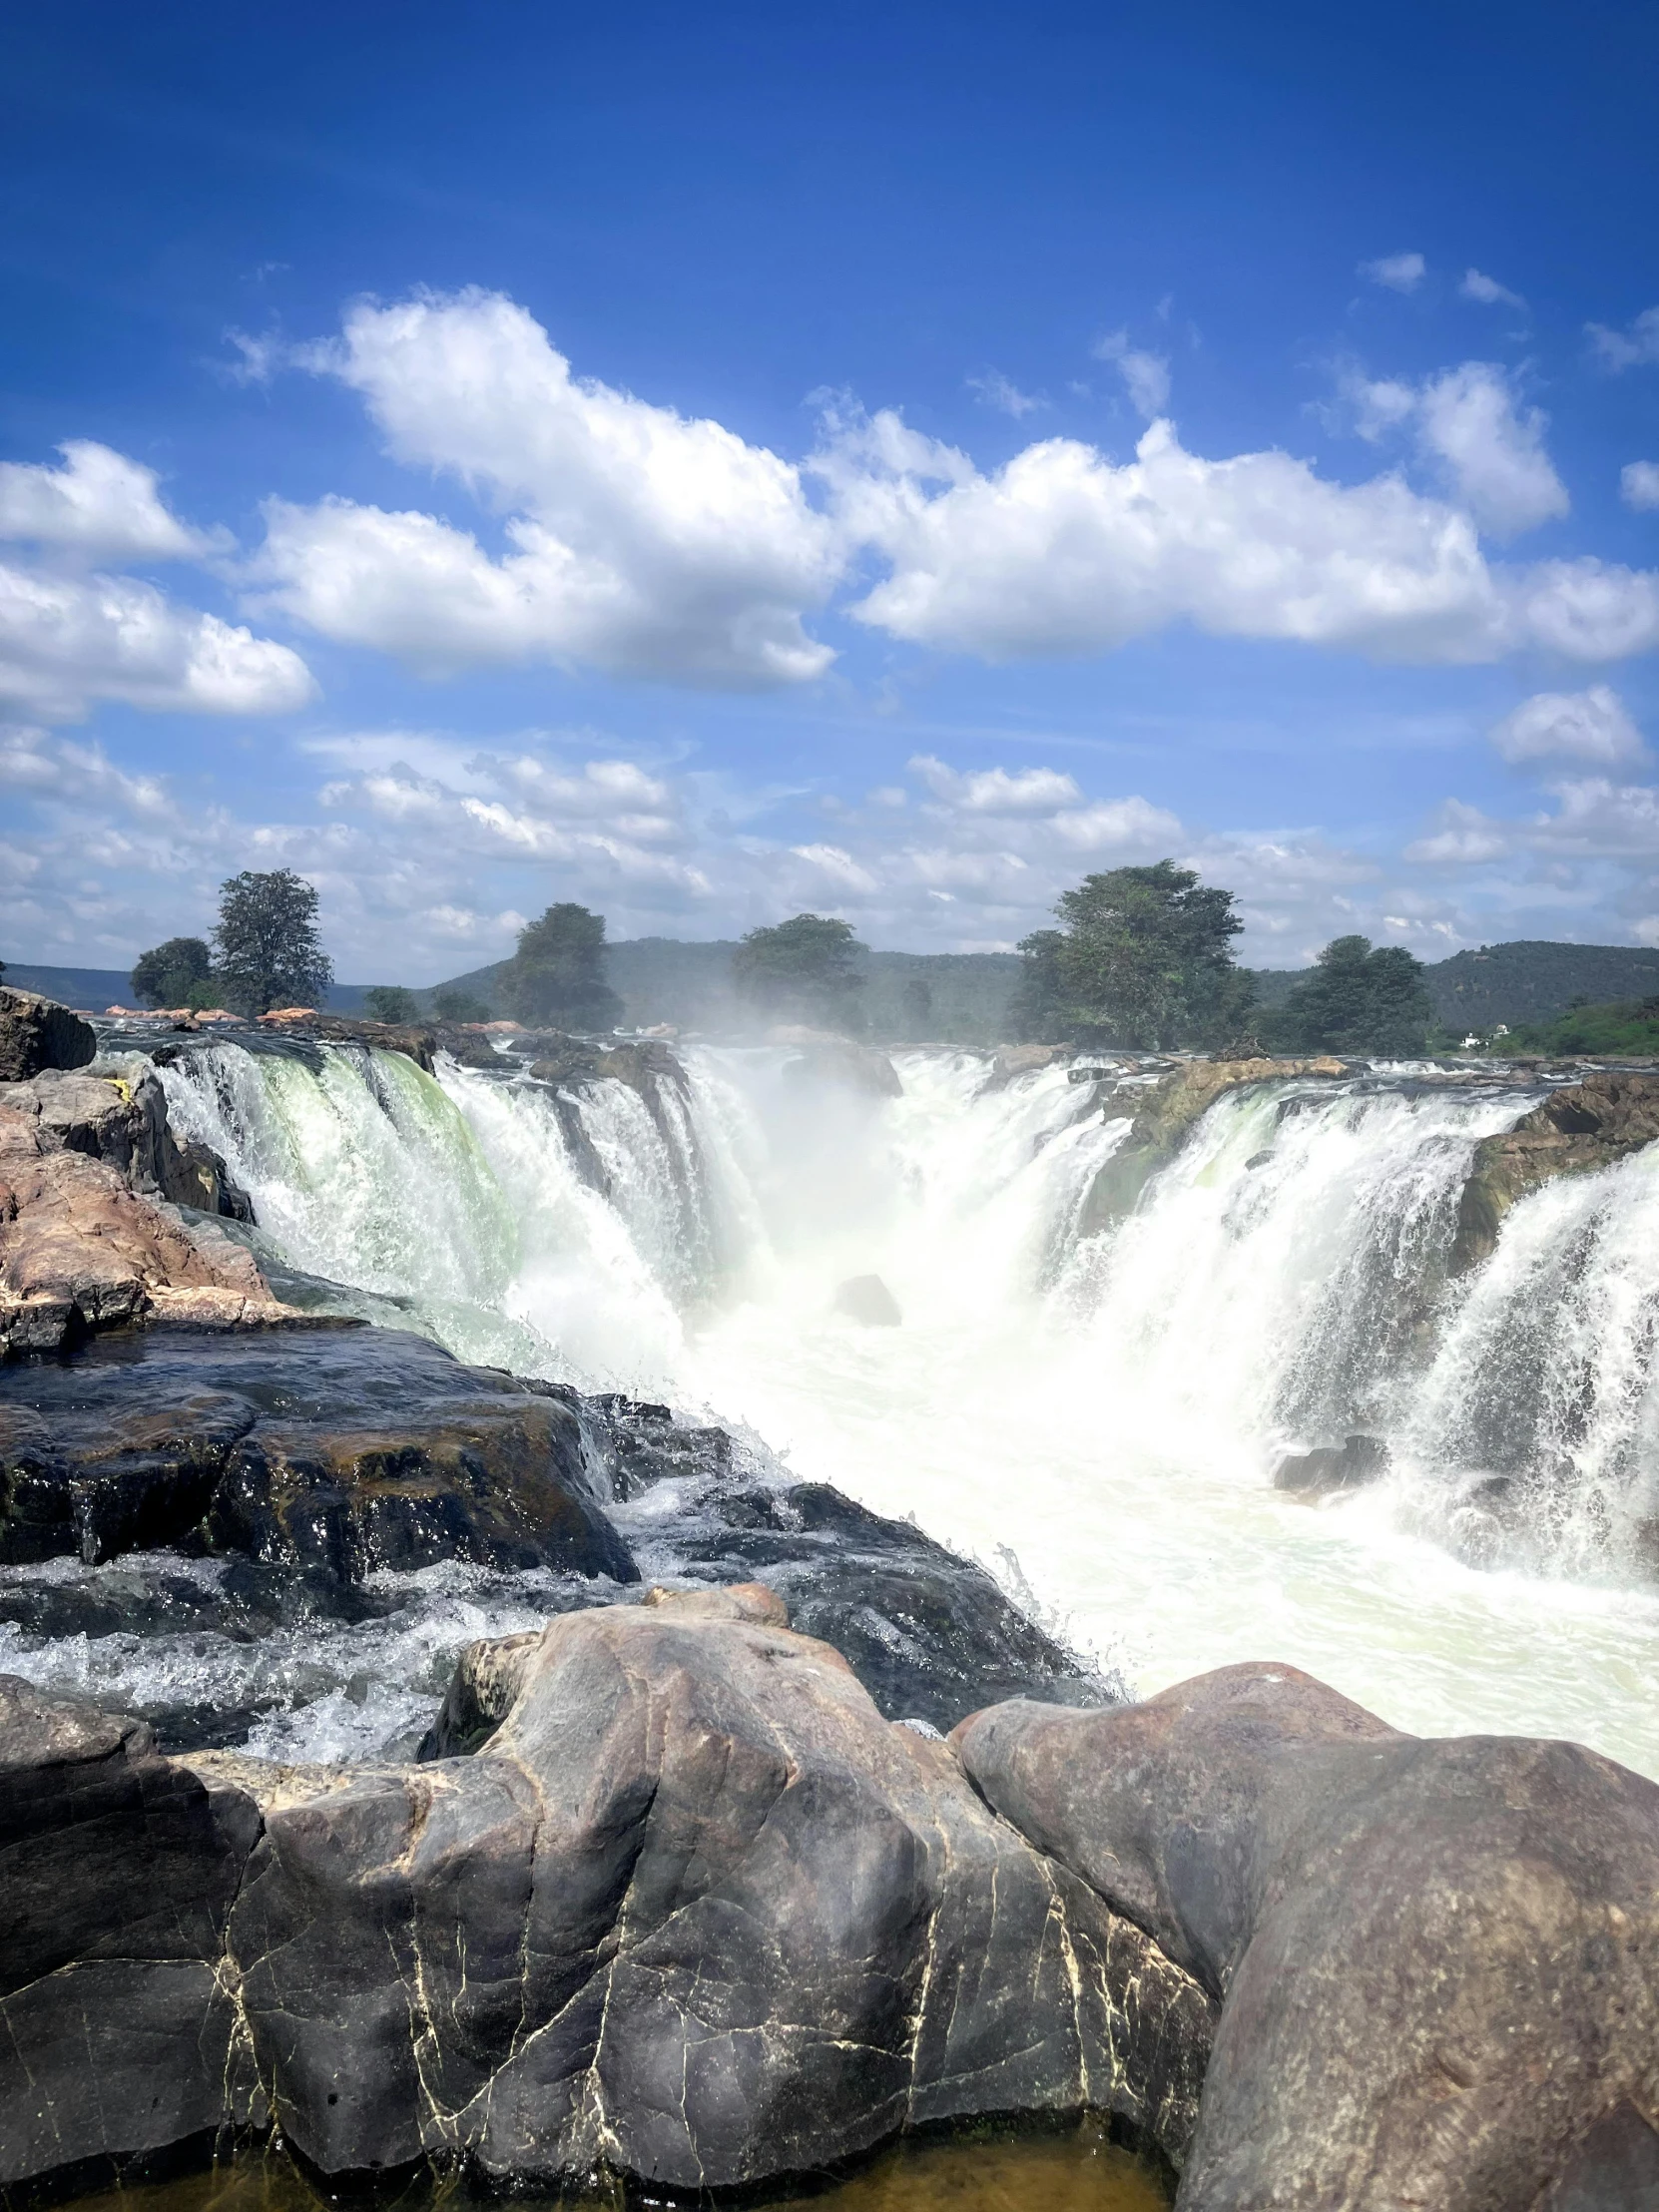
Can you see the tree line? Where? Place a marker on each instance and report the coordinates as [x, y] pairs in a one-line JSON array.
[[1142, 959]]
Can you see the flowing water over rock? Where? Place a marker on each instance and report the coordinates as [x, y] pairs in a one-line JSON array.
[[1097, 1418]]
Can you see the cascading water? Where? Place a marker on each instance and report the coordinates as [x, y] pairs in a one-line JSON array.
[[1097, 1418]]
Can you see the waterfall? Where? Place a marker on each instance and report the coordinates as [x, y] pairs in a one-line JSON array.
[[1095, 1416]]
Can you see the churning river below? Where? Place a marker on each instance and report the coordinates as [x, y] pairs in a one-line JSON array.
[[1096, 1418]]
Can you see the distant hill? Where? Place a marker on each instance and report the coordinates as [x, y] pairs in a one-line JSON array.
[[94, 988], [690, 984]]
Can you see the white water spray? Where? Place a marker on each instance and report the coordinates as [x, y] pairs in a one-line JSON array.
[[1110, 1409]]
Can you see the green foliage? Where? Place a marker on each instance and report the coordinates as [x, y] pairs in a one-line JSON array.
[[269, 953], [450, 1004], [557, 974], [1356, 999], [1144, 958], [167, 974], [1624, 1029], [918, 1006], [391, 1002], [808, 969]]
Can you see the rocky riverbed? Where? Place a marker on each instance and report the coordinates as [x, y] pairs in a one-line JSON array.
[[449, 1774]]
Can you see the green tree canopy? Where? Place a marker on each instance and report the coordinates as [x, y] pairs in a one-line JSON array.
[[1359, 998], [391, 1002], [269, 953], [167, 974], [449, 1004], [1144, 958], [808, 968], [557, 973]]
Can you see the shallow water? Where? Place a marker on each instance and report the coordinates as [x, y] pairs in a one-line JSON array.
[[1072, 2168]]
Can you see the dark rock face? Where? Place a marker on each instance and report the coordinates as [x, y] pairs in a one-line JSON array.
[[1578, 1129], [1439, 1959], [931, 1636], [1332, 1470], [341, 1451], [118, 1869], [697, 1911], [38, 1034], [125, 1127]]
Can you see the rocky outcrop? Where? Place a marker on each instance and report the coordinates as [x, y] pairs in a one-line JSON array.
[[697, 1913], [124, 1123], [37, 1033], [1577, 1129], [351, 1451], [849, 1067], [1437, 1961], [121, 2033], [81, 1251], [1331, 1471], [1159, 1117]]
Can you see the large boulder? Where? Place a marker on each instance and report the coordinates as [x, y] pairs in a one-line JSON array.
[[1437, 1959], [845, 1066], [38, 1034], [1576, 1130], [340, 1450], [1159, 1117], [119, 1869], [125, 1124], [697, 1913], [81, 1250]]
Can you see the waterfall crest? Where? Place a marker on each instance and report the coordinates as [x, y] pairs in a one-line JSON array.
[[1099, 1414]]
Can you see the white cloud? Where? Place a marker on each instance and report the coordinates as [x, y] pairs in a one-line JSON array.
[[1060, 551], [992, 791], [642, 542], [1488, 290], [1494, 452], [1639, 486], [100, 504], [1145, 375], [1117, 821], [996, 390], [1488, 451], [1586, 726], [1585, 610], [1620, 349], [1466, 837], [1397, 272], [66, 640], [836, 866]]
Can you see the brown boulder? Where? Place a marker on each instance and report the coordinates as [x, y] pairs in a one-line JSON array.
[[38, 1034], [1576, 1130], [1437, 1959]]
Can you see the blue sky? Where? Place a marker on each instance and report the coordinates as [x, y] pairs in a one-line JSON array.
[[887, 461]]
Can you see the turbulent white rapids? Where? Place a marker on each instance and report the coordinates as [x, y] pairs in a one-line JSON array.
[[1098, 1418]]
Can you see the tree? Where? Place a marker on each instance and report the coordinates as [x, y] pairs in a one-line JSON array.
[[1145, 960], [1359, 999], [449, 1004], [809, 966], [557, 973], [167, 974], [391, 1002], [269, 953], [918, 1005]]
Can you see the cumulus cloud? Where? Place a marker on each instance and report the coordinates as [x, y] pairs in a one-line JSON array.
[[1145, 375], [1488, 450], [69, 640], [1397, 272], [100, 504], [642, 541], [1465, 838], [994, 790], [1587, 725], [1488, 290], [1632, 349], [1639, 486]]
